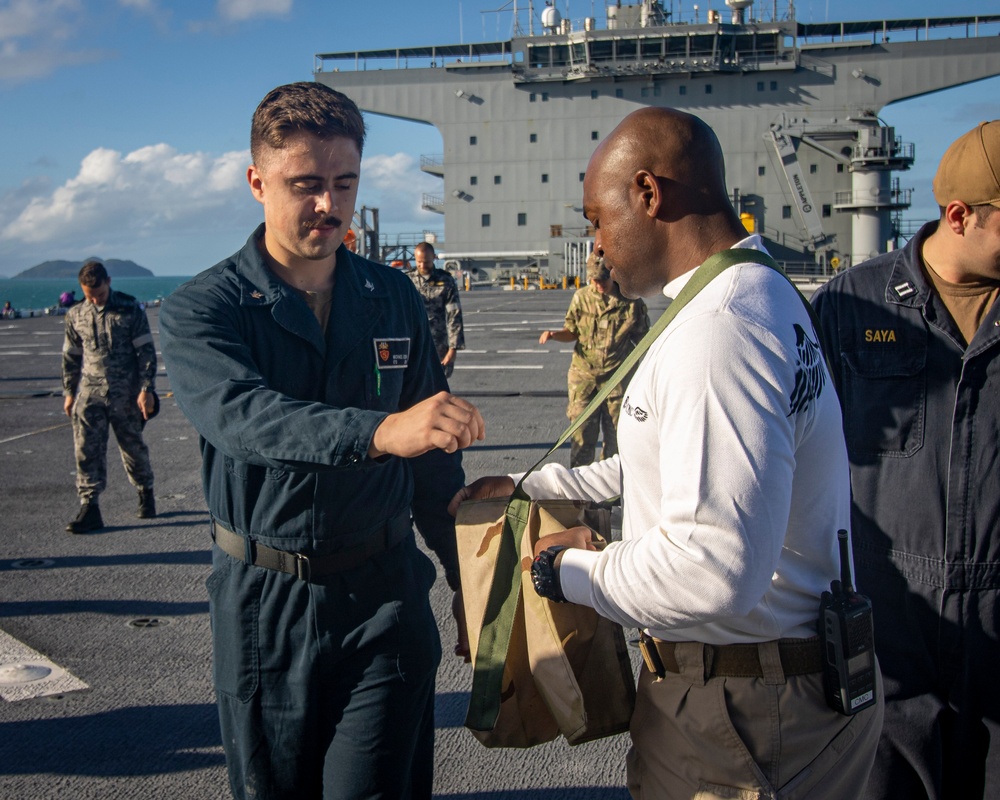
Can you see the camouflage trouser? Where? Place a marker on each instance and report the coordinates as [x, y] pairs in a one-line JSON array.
[[603, 421], [92, 415]]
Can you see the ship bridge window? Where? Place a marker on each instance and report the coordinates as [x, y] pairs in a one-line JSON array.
[[542, 56], [759, 45], [560, 55], [749, 47], [539, 57], [652, 48], [627, 49], [579, 52], [602, 51], [702, 45], [677, 46]]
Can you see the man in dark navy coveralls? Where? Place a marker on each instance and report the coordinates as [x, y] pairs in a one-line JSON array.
[[914, 341], [325, 422]]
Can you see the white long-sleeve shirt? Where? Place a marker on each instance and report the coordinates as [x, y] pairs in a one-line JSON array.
[[733, 473]]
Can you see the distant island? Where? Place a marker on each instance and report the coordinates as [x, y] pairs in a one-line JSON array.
[[117, 268]]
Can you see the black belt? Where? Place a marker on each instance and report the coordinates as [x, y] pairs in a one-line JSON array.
[[305, 567], [798, 657]]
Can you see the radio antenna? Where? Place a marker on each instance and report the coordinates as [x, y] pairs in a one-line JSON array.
[[845, 561]]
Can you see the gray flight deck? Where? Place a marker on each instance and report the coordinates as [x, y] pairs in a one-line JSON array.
[[124, 611]]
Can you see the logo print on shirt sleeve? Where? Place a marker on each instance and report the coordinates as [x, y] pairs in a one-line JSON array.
[[809, 375]]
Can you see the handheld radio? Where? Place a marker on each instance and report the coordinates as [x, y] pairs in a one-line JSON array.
[[846, 631]]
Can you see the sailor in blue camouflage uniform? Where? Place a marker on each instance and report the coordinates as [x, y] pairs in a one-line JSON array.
[[444, 311], [310, 375], [109, 379]]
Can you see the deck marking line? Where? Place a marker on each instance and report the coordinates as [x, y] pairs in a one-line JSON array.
[[15, 655]]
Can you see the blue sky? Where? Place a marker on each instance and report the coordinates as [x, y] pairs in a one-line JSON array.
[[125, 122]]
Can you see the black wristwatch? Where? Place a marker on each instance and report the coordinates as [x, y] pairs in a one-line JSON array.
[[544, 576]]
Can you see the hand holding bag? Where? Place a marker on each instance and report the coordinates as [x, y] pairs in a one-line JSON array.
[[565, 669]]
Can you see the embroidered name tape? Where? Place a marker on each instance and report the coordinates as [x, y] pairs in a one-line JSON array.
[[392, 353]]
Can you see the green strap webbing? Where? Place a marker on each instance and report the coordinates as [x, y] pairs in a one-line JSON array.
[[501, 606]]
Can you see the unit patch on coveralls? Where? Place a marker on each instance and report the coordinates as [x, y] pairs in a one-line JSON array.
[[392, 353]]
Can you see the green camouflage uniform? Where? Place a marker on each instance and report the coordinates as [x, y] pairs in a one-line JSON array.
[[608, 327], [444, 312], [108, 358]]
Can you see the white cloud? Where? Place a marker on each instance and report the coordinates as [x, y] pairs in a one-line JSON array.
[[395, 185], [151, 192], [21, 19], [33, 36], [238, 10], [156, 200]]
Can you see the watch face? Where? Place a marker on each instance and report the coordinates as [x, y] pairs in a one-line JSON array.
[[543, 576]]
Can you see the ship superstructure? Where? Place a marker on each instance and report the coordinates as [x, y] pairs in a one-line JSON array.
[[809, 163]]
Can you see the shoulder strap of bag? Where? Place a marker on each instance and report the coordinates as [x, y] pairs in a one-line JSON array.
[[713, 266], [501, 606]]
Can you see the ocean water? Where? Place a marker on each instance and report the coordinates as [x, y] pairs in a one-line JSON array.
[[36, 295]]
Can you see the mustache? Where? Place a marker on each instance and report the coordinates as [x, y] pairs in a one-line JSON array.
[[333, 222]]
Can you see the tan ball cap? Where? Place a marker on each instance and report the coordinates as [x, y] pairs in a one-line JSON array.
[[970, 168]]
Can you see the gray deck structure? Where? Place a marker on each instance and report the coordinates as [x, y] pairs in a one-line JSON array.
[[809, 163]]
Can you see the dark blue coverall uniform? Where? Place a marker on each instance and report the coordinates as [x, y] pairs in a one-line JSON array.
[[922, 422], [325, 684]]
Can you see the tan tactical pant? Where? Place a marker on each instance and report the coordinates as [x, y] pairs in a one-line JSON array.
[[748, 738]]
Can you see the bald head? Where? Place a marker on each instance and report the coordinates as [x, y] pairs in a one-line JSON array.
[[655, 190], [671, 145]]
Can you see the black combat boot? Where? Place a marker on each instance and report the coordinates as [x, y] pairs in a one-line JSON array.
[[147, 505], [89, 519]]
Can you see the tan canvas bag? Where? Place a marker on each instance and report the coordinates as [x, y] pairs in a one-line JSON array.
[[567, 669]]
